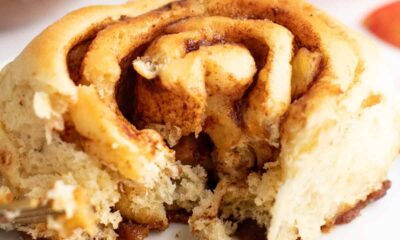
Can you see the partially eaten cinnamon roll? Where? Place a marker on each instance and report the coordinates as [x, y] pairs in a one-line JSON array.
[[216, 113]]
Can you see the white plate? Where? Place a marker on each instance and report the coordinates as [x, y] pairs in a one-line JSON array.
[[379, 221]]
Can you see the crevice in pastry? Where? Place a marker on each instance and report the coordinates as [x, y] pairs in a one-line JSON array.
[[250, 230], [75, 57]]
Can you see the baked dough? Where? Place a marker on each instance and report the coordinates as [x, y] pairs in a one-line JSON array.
[[119, 113]]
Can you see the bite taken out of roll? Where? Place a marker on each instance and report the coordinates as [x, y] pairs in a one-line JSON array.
[[127, 118]]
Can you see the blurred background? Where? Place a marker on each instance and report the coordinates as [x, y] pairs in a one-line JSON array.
[[21, 20]]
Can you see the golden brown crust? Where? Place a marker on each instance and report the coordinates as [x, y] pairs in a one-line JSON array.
[[284, 93], [351, 213]]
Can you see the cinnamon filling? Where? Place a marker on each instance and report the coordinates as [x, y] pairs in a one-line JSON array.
[[249, 229], [189, 149], [193, 45], [75, 58], [129, 230], [134, 94], [132, 231]]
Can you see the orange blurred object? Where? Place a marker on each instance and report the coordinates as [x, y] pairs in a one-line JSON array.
[[385, 23]]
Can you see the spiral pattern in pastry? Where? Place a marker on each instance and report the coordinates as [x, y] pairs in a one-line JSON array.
[[230, 78], [277, 89]]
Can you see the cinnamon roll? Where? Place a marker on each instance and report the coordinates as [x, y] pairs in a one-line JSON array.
[[226, 112]]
